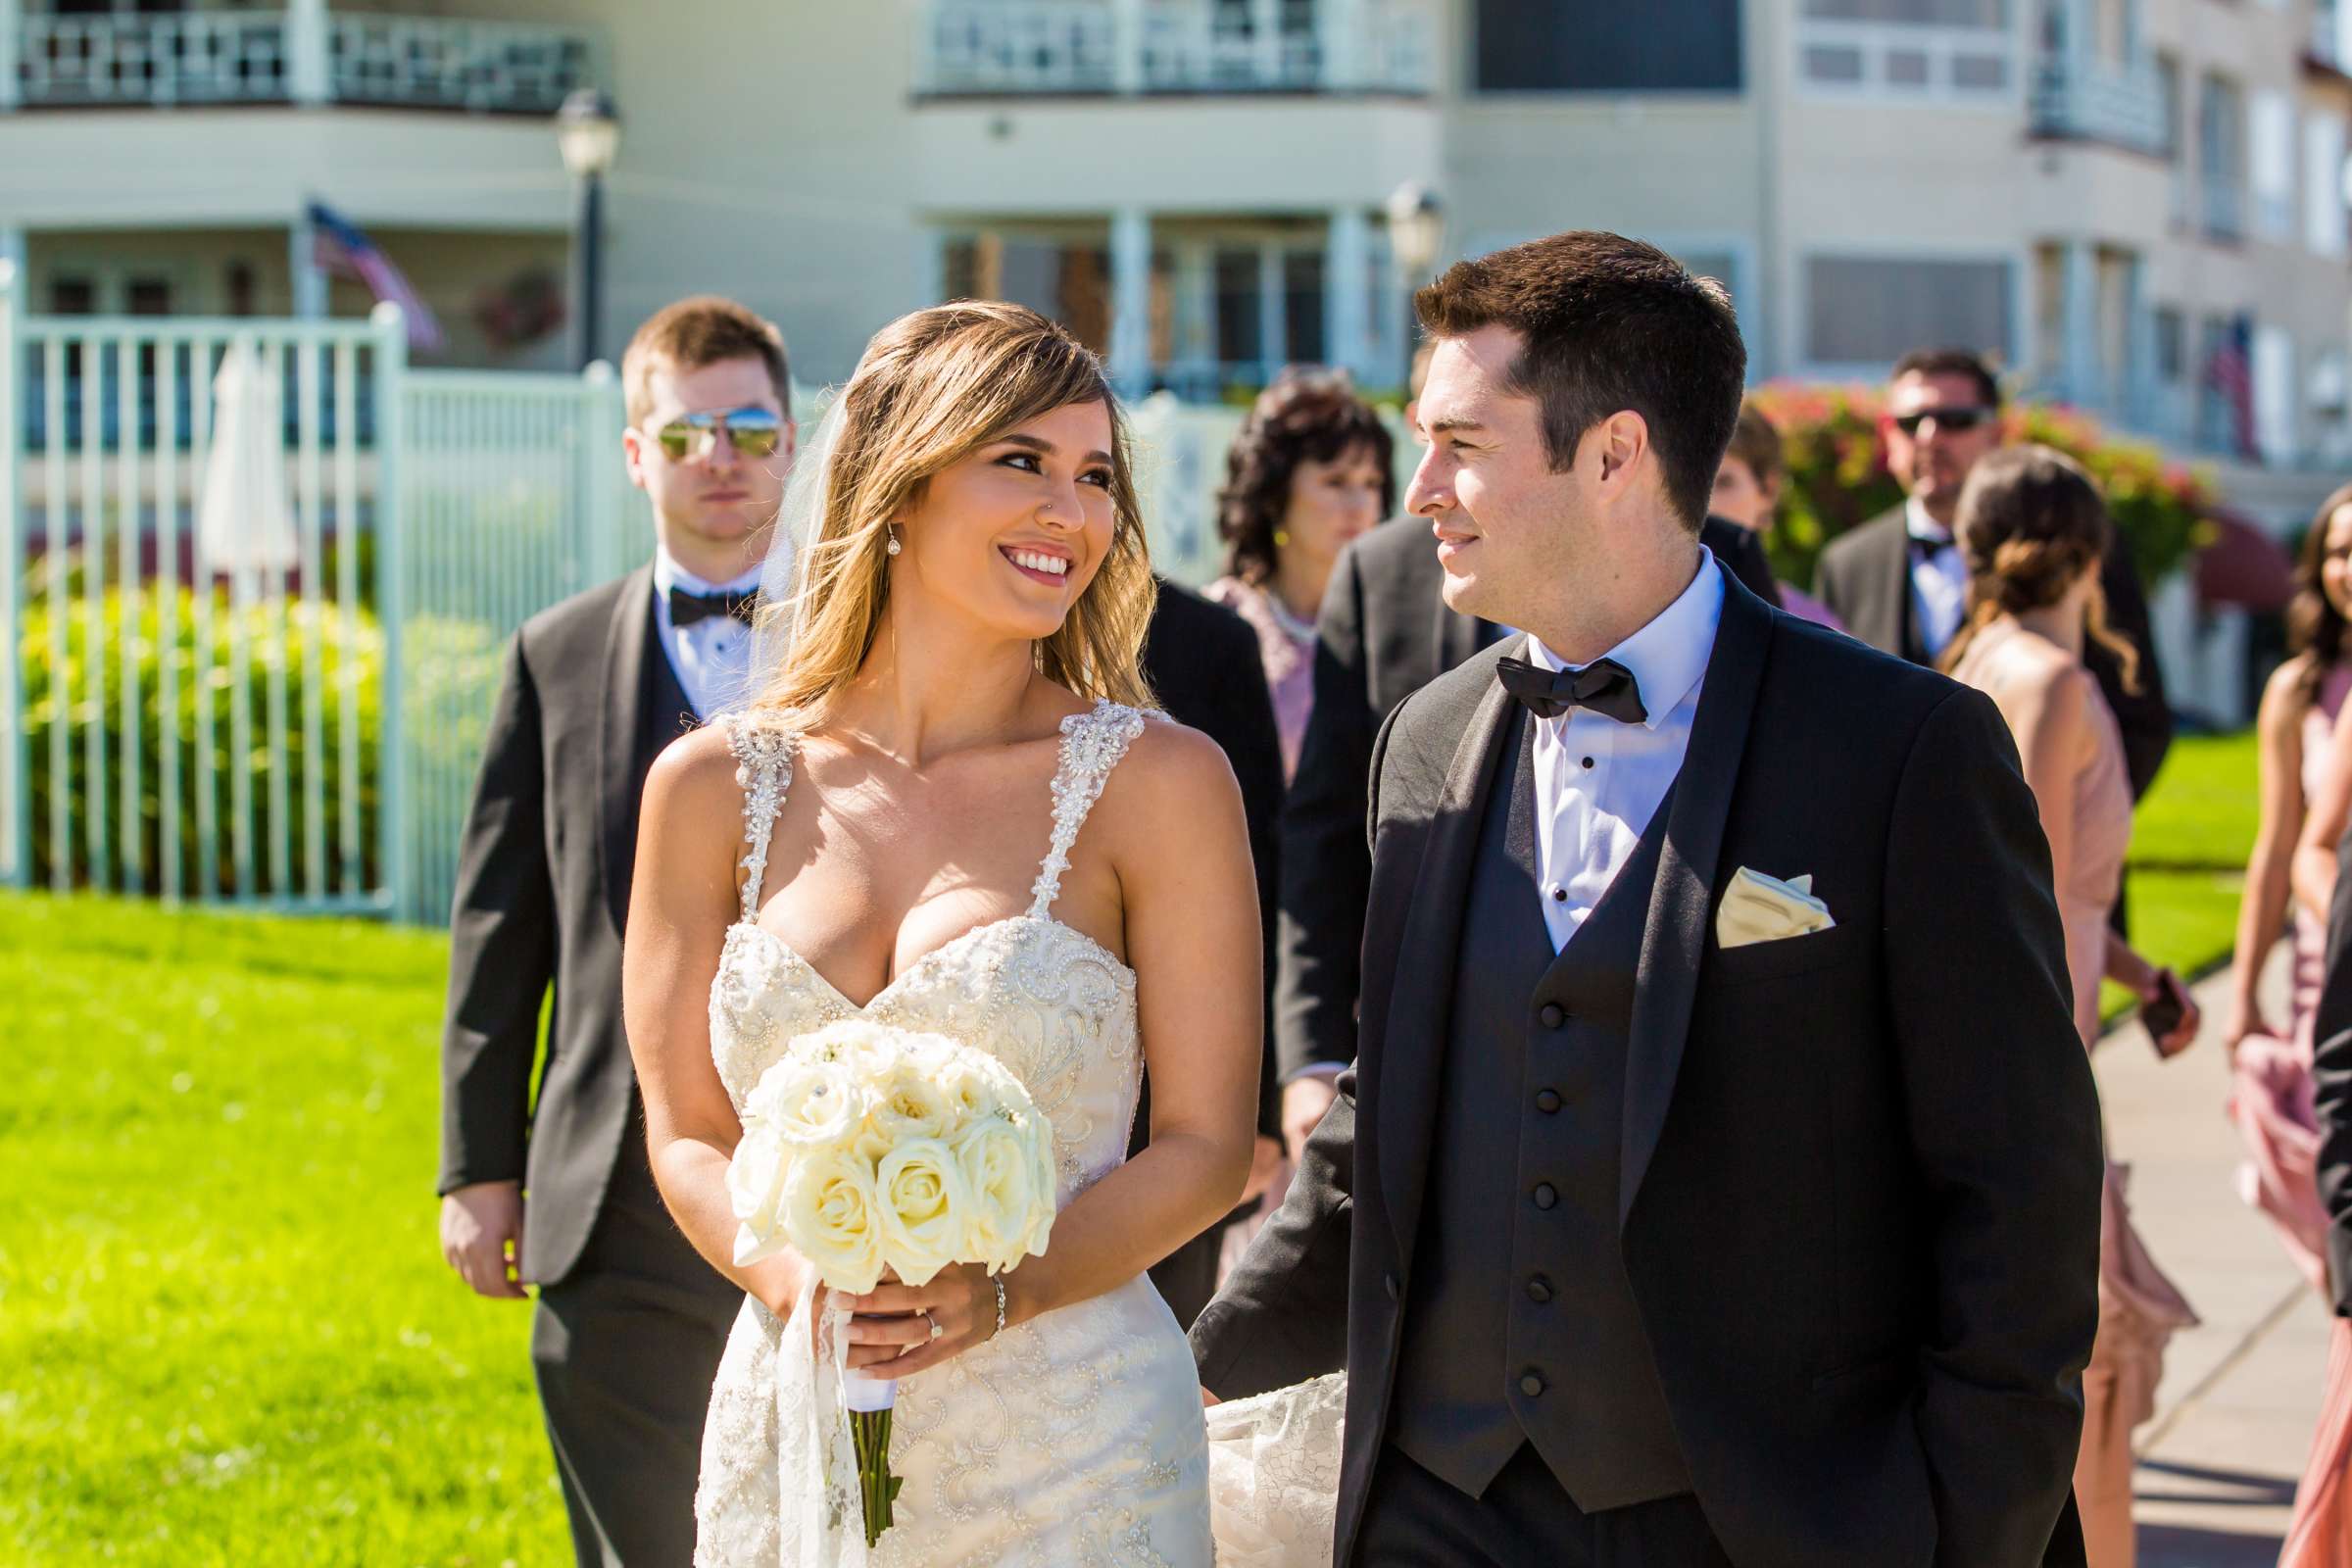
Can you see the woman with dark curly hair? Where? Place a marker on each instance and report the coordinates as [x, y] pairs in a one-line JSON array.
[[1310, 469]]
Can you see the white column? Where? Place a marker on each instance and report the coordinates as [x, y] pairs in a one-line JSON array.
[[12, 252], [12, 41], [2139, 398], [1338, 43], [1347, 293], [302, 266], [308, 81], [2080, 353], [1273, 310], [1127, 46], [1130, 298]]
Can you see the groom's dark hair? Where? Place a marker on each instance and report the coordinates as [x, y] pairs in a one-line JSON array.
[[1609, 324]]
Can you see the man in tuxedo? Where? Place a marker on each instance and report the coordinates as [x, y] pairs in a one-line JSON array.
[[1201, 661], [553, 1188], [1899, 582], [1384, 633], [1717, 1177]]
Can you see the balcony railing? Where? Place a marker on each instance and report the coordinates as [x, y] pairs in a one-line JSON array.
[[1045, 47], [2092, 100], [191, 56], [204, 57]]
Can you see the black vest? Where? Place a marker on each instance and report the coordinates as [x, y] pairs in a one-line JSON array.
[[1521, 1326]]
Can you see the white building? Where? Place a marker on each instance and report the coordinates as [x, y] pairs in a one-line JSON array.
[[2101, 193]]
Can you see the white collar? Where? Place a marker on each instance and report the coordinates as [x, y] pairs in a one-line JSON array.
[[668, 574], [1668, 656], [1923, 527]]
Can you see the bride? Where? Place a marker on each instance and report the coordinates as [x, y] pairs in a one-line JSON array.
[[942, 808]]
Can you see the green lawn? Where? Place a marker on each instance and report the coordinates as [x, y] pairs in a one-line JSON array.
[[2190, 842], [226, 1333]]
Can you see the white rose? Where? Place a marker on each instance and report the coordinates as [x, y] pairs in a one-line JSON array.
[[754, 1189], [924, 1201], [907, 1105], [828, 1210], [807, 1102], [1010, 1210], [974, 1092]]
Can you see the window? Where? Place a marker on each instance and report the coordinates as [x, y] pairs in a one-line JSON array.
[[1302, 307], [2172, 344], [1658, 46], [1240, 329], [1914, 13], [2221, 156], [2270, 155], [1873, 310], [2323, 225]]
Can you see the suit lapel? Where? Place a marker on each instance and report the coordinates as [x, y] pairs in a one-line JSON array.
[[1675, 937], [1414, 1036], [620, 729]]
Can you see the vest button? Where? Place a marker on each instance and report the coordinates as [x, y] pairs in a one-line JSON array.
[[1544, 1196], [1552, 1016], [1546, 1100], [1539, 1290], [1532, 1385]]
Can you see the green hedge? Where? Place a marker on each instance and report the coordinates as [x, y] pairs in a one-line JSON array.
[[274, 637], [1838, 476]]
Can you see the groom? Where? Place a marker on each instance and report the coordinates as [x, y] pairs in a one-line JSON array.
[[1718, 1179]]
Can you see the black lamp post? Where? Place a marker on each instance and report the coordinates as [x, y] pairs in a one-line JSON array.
[[588, 133]]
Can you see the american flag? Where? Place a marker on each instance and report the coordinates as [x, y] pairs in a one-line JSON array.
[[2230, 371], [340, 245]]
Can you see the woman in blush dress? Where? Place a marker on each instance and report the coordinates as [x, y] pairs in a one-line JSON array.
[[1311, 469], [1747, 492], [2271, 1098], [2034, 529]]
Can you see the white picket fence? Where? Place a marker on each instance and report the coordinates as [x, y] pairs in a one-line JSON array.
[[228, 602]]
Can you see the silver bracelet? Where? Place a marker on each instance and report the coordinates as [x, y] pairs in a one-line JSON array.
[[999, 1282]]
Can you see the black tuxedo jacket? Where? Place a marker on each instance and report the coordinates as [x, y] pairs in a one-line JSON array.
[[2332, 1070], [1201, 661], [542, 892], [1384, 633], [1865, 577], [1859, 1181]]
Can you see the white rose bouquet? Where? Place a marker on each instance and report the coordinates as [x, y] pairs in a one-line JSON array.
[[866, 1150]]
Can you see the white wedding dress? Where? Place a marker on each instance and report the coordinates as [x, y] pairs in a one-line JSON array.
[[1075, 1439]]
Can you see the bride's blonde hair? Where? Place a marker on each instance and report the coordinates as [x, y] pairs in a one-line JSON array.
[[934, 387]]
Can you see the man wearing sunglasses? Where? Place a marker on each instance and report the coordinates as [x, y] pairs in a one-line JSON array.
[[1899, 582], [630, 1322]]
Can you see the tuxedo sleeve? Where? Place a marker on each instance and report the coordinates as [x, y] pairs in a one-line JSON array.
[[2143, 715], [1325, 866], [2332, 1074], [1282, 1316], [502, 949], [2004, 1118]]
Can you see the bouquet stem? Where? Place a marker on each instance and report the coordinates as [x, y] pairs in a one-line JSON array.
[[870, 1402]]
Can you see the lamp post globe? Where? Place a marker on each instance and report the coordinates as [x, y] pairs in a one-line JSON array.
[[1417, 226], [588, 136]]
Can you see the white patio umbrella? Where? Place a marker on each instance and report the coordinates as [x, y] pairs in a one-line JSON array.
[[246, 529]]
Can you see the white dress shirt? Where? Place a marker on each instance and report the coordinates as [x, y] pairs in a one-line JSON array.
[[1938, 579], [713, 656], [1598, 781]]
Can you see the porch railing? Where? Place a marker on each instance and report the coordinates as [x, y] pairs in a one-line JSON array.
[[1046, 47], [244, 57]]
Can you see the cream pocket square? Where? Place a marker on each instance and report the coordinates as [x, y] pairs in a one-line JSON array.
[[1764, 908]]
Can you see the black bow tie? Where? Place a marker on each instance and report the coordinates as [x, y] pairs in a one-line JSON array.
[[686, 609], [1604, 686], [1926, 548]]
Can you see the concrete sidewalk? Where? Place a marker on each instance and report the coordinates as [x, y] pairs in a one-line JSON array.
[[2234, 1417]]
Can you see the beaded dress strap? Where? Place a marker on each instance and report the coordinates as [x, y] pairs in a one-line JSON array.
[[764, 767], [1092, 744]]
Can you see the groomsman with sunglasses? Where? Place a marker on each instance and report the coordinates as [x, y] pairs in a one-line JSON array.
[[1897, 582], [544, 1178]]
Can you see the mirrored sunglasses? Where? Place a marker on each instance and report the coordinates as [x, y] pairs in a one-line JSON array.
[[756, 433]]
